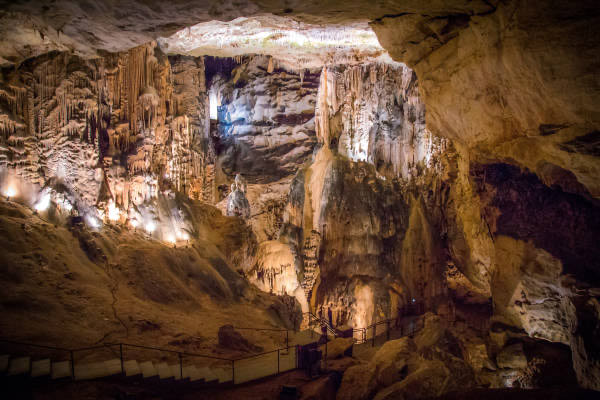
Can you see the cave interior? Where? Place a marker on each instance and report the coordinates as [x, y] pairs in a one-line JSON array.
[[286, 199]]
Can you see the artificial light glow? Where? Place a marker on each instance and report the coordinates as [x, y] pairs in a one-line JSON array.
[[134, 223], [43, 203], [113, 212], [183, 235], [92, 221], [150, 227], [67, 206], [214, 102], [10, 191], [170, 238]]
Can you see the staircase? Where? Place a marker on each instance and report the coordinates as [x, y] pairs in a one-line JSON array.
[[26, 367]]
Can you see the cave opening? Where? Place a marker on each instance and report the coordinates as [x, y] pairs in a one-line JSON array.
[[344, 201]]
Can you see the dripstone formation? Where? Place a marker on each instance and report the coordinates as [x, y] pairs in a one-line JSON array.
[[450, 169]]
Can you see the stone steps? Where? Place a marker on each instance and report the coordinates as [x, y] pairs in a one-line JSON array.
[[24, 366], [249, 369]]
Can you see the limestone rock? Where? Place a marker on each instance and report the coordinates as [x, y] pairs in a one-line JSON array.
[[337, 347], [428, 381], [289, 311], [237, 204], [320, 389], [231, 339], [391, 362], [358, 383], [512, 356], [433, 330]]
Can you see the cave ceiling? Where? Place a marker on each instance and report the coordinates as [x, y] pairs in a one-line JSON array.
[[31, 28]]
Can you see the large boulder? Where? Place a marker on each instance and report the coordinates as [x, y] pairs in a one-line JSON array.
[[428, 381], [338, 347], [231, 339], [391, 362], [358, 383], [512, 356], [433, 330], [319, 389]]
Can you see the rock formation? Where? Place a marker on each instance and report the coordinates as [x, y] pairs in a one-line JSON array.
[[463, 181]]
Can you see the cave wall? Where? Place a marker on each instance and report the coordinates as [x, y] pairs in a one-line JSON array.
[[515, 87], [528, 88], [114, 131], [364, 220], [527, 77]]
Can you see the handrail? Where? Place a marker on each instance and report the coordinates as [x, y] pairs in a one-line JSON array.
[[287, 332], [34, 345], [262, 329], [183, 353], [323, 322]]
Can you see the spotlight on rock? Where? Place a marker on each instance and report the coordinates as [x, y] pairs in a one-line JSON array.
[[113, 212], [9, 192], [92, 222], [43, 203], [150, 227]]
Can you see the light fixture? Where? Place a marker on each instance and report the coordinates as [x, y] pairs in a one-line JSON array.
[[150, 227], [9, 192]]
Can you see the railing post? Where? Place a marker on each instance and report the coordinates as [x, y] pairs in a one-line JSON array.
[[278, 361], [374, 333], [122, 362], [233, 371], [287, 338], [72, 364], [180, 366], [388, 329]]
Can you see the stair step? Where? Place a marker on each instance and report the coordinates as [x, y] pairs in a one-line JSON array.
[[148, 369], [176, 371], [19, 366], [41, 368], [192, 373], [223, 375], [98, 369], [132, 368], [208, 375], [4, 363], [61, 369], [164, 371], [113, 366]]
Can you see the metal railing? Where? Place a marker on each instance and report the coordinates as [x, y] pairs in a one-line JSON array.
[[285, 361], [121, 348], [314, 320], [287, 332], [361, 335]]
